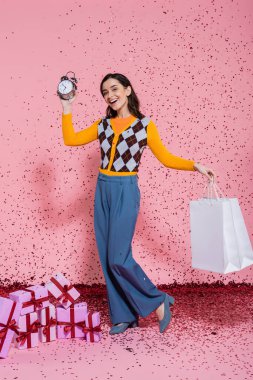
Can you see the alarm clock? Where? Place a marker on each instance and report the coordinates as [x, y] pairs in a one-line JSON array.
[[67, 87]]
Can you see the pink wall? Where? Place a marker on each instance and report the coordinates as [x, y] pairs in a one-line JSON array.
[[190, 62]]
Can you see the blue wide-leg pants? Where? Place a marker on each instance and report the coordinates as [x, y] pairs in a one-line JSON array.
[[130, 291]]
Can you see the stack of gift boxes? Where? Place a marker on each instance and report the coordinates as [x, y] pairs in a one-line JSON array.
[[27, 317]]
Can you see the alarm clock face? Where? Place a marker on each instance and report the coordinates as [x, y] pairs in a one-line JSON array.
[[65, 86]]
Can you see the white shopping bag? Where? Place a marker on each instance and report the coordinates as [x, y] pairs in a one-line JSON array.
[[219, 238]]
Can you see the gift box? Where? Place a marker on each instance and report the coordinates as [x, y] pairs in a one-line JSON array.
[[93, 328], [27, 336], [9, 315], [33, 298], [71, 321], [61, 288], [47, 329]]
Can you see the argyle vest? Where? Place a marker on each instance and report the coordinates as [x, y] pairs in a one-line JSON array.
[[130, 145]]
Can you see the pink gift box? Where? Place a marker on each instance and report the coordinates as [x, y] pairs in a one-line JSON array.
[[33, 298], [92, 321], [71, 321], [61, 288], [28, 331], [9, 315], [47, 318]]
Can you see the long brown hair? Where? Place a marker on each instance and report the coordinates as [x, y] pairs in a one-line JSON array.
[[133, 101]]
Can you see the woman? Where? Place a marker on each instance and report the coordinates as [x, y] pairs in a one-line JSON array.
[[123, 134]]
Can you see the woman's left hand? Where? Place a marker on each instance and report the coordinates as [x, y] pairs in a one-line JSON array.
[[209, 173]]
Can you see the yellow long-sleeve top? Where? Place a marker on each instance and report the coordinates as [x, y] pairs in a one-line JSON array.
[[114, 133]]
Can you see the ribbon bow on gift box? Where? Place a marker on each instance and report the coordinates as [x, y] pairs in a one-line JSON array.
[[92, 329], [10, 325], [36, 303], [52, 322], [64, 290], [26, 335], [71, 325]]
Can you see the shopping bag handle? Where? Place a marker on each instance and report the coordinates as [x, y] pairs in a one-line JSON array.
[[212, 186]]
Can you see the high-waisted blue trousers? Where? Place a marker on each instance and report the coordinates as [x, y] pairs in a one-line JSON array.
[[130, 291]]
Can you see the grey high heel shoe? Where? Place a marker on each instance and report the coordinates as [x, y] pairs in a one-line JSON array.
[[120, 328]]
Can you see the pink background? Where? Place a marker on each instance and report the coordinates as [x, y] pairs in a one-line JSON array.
[[189, 61]]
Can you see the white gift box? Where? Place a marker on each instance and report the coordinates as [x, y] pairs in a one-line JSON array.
[[61, 288], [9, 316], [28, 331], [71, 321], [33, 298], [47, 318], [92, 321]]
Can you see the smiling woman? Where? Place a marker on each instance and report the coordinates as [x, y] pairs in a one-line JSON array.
[[123, 133]]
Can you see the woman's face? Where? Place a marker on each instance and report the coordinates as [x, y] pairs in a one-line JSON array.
[[115, 94]]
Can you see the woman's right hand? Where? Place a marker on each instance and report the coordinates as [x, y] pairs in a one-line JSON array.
[[67, 104]]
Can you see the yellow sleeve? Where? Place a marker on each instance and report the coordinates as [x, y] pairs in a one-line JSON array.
[[162, 154], [83, 137]]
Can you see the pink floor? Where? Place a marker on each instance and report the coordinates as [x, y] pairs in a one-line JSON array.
[[210, 337]]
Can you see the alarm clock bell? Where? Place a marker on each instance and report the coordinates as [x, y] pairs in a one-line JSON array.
[[67, 87]]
